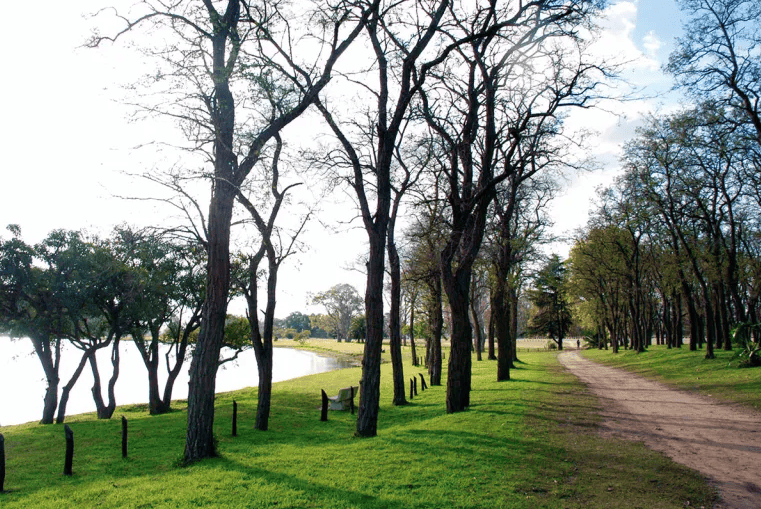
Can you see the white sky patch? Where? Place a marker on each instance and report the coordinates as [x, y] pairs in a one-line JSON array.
[[652, 44], [617, 38], [615, 121]]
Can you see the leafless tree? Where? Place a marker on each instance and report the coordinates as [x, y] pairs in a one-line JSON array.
[[219, 59]]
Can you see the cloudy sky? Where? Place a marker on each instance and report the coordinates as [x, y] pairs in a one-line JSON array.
[[68, 143]]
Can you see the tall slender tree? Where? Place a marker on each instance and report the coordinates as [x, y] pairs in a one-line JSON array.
[[213, 48]]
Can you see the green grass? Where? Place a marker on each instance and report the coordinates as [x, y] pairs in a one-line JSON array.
[[722, 377], [528, 443]]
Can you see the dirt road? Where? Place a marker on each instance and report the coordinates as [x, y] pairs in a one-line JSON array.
[[721, 441]]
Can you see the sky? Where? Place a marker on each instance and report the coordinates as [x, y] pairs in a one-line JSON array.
[[69, 143]]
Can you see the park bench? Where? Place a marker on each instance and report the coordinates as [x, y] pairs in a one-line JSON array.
[[344, 400]]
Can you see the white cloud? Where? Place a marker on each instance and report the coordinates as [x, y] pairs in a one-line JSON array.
[[616, 40], [652, 44]]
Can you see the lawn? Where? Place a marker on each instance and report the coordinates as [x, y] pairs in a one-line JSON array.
[[721, 378], [528, 443]]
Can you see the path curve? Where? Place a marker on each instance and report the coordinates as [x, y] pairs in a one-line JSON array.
[[721, 441]]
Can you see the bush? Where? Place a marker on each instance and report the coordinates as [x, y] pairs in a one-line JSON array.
[[302, 336], [750, 353]]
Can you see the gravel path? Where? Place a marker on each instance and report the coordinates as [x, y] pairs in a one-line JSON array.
[[721, 441]]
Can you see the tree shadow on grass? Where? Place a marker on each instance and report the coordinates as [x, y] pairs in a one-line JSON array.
[[319, 494]]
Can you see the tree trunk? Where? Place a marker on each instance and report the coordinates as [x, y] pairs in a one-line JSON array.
[[491, 352], [154, 396], [692, 313], [263, 347], [150, 355], [395, 331], [199, 440], [264, 365], [437, 325], [726, 335], [173, 372], [460, 359], [106, 411], [413, 351], [501, 313], [369, 391], [478, 337], [50, 360], [70, 385]]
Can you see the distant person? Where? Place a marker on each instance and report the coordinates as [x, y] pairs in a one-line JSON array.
[[578, 344]]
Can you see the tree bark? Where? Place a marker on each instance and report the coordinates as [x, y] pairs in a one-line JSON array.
[[478, 336], [491, 332], [413, 351], [106, 411], [50, 360], [437, 325], [369, 391], [501, 312], [460, 358], [70, 385], [395, 332], [199, 442]]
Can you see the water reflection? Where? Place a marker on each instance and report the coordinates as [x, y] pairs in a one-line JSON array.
[[22, 381]]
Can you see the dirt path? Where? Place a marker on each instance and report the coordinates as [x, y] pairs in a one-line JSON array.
[[722, 442]]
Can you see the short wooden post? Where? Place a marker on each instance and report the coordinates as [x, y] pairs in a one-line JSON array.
[[124, 437], [351, 401], [423, 385], [235, 418], [412, 395], [2, 463], [324, 414], [69, 450], [414, 384]]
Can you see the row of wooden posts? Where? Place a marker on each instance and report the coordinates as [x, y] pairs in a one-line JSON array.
[[69, 434]]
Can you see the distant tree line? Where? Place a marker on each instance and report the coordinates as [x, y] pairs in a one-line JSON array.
[[674, 247]]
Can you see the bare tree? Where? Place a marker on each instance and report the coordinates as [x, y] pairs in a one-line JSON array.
[[718, 56], [220, 60], [276, 249], [398, 35], [460, 107]]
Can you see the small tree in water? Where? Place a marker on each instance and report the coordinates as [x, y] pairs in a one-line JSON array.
[[553, 315]]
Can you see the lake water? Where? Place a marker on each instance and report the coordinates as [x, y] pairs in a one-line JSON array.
[[22, 380]]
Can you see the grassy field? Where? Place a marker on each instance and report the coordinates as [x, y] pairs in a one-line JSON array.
[[527, 443], [721, 377]]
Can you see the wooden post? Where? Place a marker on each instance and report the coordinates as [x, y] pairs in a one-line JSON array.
[[2, 463], [411, 393], [351, 401], [324, 414], [124, 437], [235, 418], [423, 385], [414, 384], [69, 450]]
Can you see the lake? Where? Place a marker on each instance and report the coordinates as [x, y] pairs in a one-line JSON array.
[[22, 380]]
